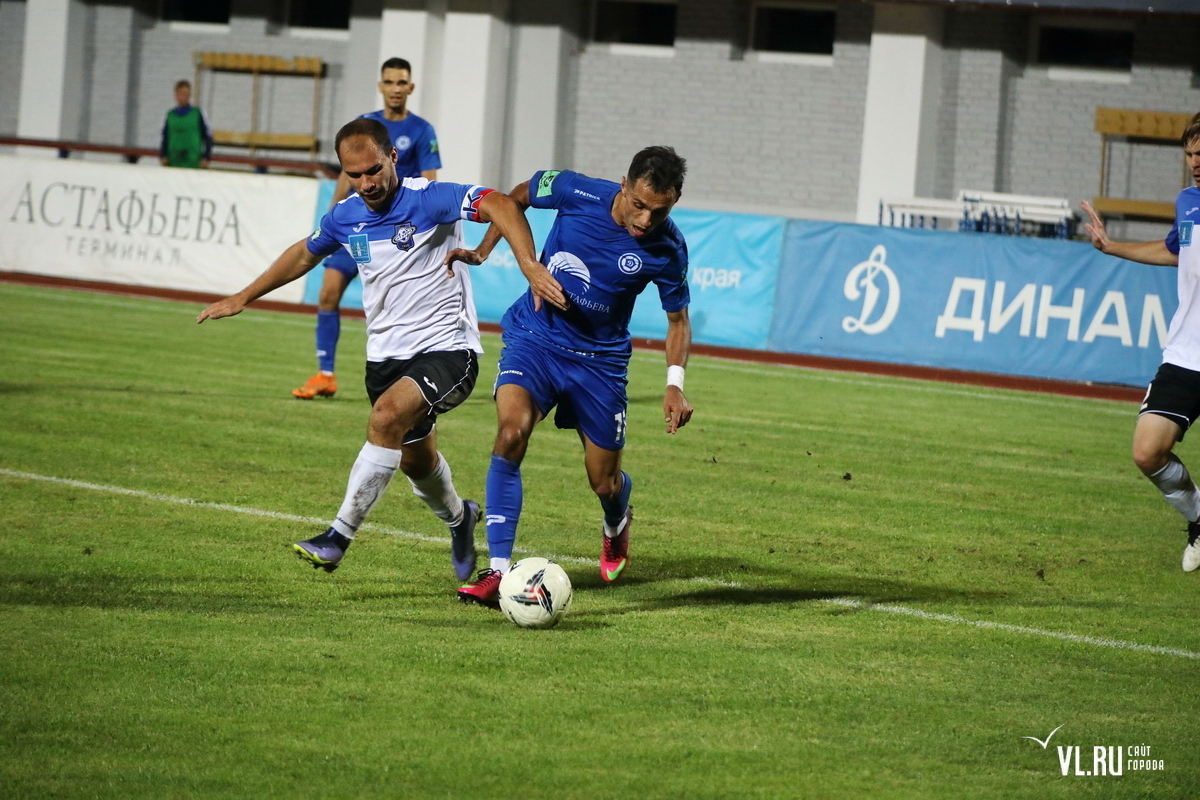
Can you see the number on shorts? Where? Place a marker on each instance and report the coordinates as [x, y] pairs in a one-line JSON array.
[[620, 418]]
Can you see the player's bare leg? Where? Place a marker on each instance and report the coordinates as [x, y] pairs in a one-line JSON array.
[[614, 487], [324, 384], [401, 408], [1154, 438]]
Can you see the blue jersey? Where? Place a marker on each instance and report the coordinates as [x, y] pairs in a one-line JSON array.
[[412, 305], [602, 269], [416, 144]]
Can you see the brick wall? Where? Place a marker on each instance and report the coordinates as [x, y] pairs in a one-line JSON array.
[[286, 102], [12, 49], [764, 136]]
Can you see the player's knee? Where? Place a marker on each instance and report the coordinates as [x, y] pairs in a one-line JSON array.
[[511, 442], [1150, 457], [606, 488], [329, 299]]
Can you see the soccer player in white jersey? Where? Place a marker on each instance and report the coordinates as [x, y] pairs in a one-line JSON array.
[[1172, 401], [422, 333]]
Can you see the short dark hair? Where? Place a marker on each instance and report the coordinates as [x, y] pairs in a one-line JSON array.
[[396, 63], [181, 83], [363, 127], [1191, 131], [662, 168]]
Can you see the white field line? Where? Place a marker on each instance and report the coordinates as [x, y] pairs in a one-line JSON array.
[[850, 602], [846, 602]]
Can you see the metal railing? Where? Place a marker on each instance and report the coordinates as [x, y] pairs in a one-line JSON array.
[[132, 155]]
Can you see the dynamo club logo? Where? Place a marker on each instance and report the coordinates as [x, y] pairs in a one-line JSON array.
[[403, 237], [629, 263], [403, 143], [861, 282], [565, 263]]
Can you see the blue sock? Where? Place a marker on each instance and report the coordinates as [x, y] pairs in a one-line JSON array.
[[503, 506], [615, 509], [329, 327]]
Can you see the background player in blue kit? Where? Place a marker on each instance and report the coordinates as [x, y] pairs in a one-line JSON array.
[[422, 332], [417, 157], [608, 243]]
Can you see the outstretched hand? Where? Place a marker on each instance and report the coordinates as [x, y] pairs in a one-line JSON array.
[[1095, 228], [225, 307], [676, 409], [544, 287], [471, 257]]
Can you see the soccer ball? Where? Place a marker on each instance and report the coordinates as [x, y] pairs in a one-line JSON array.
[[535, 593]]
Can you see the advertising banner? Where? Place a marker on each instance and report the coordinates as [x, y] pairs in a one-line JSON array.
[[970, 301], [195, 230], [733, 263]]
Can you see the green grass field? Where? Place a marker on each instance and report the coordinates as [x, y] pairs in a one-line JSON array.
[[841, 586]]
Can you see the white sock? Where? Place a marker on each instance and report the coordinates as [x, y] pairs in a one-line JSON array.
[[501, 565], [438, 492], [369, 477], [1176, 485]]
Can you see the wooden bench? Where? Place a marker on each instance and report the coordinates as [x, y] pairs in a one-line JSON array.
[[1157, 127]]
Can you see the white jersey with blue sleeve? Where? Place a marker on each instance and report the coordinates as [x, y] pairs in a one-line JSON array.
[[1183, 337], [412, 305], [601, 266]]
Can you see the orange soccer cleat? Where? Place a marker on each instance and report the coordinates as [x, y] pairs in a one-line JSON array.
[[319, 385]]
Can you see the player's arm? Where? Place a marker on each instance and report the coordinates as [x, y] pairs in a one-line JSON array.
[[429, 174], [294, 262], [507, 215], [676, 408], [520, 194], [1144, 252], [342, 190]]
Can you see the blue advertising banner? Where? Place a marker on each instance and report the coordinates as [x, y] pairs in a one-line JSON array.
[[733, 262], [970, 301]]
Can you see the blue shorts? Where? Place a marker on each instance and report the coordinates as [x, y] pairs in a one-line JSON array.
[[343, 263], [590, 395]]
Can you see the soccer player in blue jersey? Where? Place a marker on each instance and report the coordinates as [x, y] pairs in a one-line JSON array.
[[1172, 401], [567, 345], [417, 157], [422, 333]]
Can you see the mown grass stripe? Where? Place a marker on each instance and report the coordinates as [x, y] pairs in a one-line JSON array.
[[847, 602]]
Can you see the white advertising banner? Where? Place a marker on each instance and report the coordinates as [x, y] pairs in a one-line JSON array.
[[189, 229]]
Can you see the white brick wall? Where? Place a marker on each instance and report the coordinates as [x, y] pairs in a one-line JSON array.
[[12, 50], [285, 101], [762, 135], [766, 137]]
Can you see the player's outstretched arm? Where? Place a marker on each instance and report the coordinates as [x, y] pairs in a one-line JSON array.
[[676, 409], [1144, 252], [507, 215], [294, 262]]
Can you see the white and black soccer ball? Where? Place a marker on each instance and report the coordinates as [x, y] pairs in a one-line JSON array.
[[535, 593]]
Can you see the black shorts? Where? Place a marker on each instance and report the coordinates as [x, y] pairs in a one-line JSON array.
[[444, 378], [1175, 394]]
